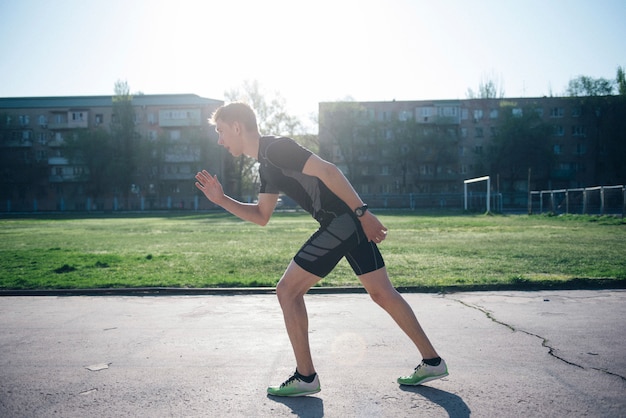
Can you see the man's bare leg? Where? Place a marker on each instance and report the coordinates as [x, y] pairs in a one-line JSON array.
[[290, 291], [384, 294]]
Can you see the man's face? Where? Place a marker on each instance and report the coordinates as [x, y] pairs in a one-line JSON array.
[[230, 137]]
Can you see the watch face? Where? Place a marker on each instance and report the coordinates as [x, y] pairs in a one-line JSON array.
[[359, 212]]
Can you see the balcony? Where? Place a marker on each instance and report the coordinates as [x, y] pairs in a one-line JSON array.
[[176, 118], [16, 143], [58, 126], [57, 161]]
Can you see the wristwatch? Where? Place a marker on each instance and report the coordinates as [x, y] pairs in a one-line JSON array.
[[360, 211]]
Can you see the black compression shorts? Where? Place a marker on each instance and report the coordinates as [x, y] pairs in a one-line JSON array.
[[342, 237]]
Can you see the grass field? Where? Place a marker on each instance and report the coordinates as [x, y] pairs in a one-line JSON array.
[[217, 249]]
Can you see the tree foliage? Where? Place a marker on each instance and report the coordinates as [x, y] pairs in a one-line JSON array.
[[589, 86], [111, 158], [404, 149], [272, 119], [125, 139], [520, 143], [272, 115], [621, 81], [349, 128], [93, 150], [490, 87]]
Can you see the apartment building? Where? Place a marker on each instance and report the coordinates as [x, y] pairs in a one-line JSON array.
[[36, 173], [431, 146]]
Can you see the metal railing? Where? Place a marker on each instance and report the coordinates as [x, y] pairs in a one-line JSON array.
[[597, 200]]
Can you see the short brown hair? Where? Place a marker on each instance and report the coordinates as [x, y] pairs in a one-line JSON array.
[[236, 112]]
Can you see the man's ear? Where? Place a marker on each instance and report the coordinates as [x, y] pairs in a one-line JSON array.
[[237, 127]]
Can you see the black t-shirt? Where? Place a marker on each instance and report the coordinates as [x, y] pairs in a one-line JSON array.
[[281, 162]]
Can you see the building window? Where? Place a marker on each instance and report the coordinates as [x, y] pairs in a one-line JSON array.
[[463, 132], [557, 130], [578, 130], [41, 155], [581, 149], [479, 132], [556, 112], [448, 111], [99, 119], [576, 111], [493, 113], [517, 112], [478, 149], [384, 170], [478, 114], [77, 116], [175, 135], [557, 149]]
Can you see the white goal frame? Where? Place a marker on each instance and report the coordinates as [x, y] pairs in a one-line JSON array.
[[476, 180]]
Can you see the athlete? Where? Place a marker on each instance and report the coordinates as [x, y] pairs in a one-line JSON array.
[[347, 229]]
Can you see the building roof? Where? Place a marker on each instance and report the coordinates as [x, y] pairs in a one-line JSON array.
[[103, 101]]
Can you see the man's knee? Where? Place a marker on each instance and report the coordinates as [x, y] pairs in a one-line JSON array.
[[384, 294], [284, 291], [294, 284]]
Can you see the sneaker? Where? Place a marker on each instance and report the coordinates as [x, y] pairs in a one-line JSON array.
[[295, 387], [425, 373]]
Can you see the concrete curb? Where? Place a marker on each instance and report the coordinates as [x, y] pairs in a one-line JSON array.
[[574, 284]]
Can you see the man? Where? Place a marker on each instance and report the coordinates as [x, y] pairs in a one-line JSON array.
[[347, 229]]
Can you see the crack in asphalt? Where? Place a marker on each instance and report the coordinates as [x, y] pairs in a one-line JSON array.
[[544, 341]]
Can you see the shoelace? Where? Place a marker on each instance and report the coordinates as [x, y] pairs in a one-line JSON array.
[[288, 381]]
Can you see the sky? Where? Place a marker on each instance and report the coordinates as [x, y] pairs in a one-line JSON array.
[[308, 51]]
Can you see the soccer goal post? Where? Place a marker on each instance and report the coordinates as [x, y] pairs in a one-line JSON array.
[[476, 180]]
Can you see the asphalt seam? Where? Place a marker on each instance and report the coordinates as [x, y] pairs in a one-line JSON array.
[[544, 341]]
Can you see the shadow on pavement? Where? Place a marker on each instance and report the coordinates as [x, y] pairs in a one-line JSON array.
[[304, 407], [453, 404]]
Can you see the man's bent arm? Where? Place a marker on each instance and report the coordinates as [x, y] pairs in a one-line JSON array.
[[258, 213], [334, 179]]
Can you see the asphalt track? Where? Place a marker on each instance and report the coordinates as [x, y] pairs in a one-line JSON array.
[[543, 354]]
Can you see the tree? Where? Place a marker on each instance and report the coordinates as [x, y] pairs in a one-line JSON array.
[[425, 155], [93, 150], [272, 115], [125, 139], [589, 86], [520, 142], [488, 88], [272, 118], [621, 81], [601, 108], [349, 132]]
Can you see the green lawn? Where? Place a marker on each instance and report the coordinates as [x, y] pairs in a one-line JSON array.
[[217, 249]]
